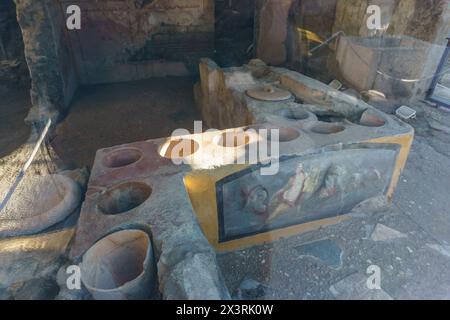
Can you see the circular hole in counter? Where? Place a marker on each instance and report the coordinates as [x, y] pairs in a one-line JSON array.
[[124, 197], [122, 157], [327, 128], [179, 148], [233, 139], [294, 114], [331, 118], [285, 134]]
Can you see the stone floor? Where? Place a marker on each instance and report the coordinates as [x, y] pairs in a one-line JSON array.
[[409, 241]]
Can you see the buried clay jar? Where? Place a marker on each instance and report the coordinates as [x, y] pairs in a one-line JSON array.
[[124, 197], [178, 148], [232, 139], [122, 158], [369, 119], [120, 266], [285, 134], [294, 114], [327, 128]]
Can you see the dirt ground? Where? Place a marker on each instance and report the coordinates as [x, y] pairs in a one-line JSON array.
[[113, 114], [14, 107]]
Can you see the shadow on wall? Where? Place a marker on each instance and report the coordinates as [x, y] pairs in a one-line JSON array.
[[234, 31], [13, 67]]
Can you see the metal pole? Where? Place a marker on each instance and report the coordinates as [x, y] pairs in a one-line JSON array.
[[26, 166], [439, 69]]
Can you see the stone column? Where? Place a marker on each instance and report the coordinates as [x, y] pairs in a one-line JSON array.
[[272, 25], [48, 60]]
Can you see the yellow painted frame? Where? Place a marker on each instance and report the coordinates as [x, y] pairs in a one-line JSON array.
[[201, 187]]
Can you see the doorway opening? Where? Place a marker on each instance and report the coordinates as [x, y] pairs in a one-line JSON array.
[[234, 31], [14, 82]]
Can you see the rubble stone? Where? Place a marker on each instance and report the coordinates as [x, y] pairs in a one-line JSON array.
[[355, 287], [30, 264], [384, 233], [326, 251], [250, 289]]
